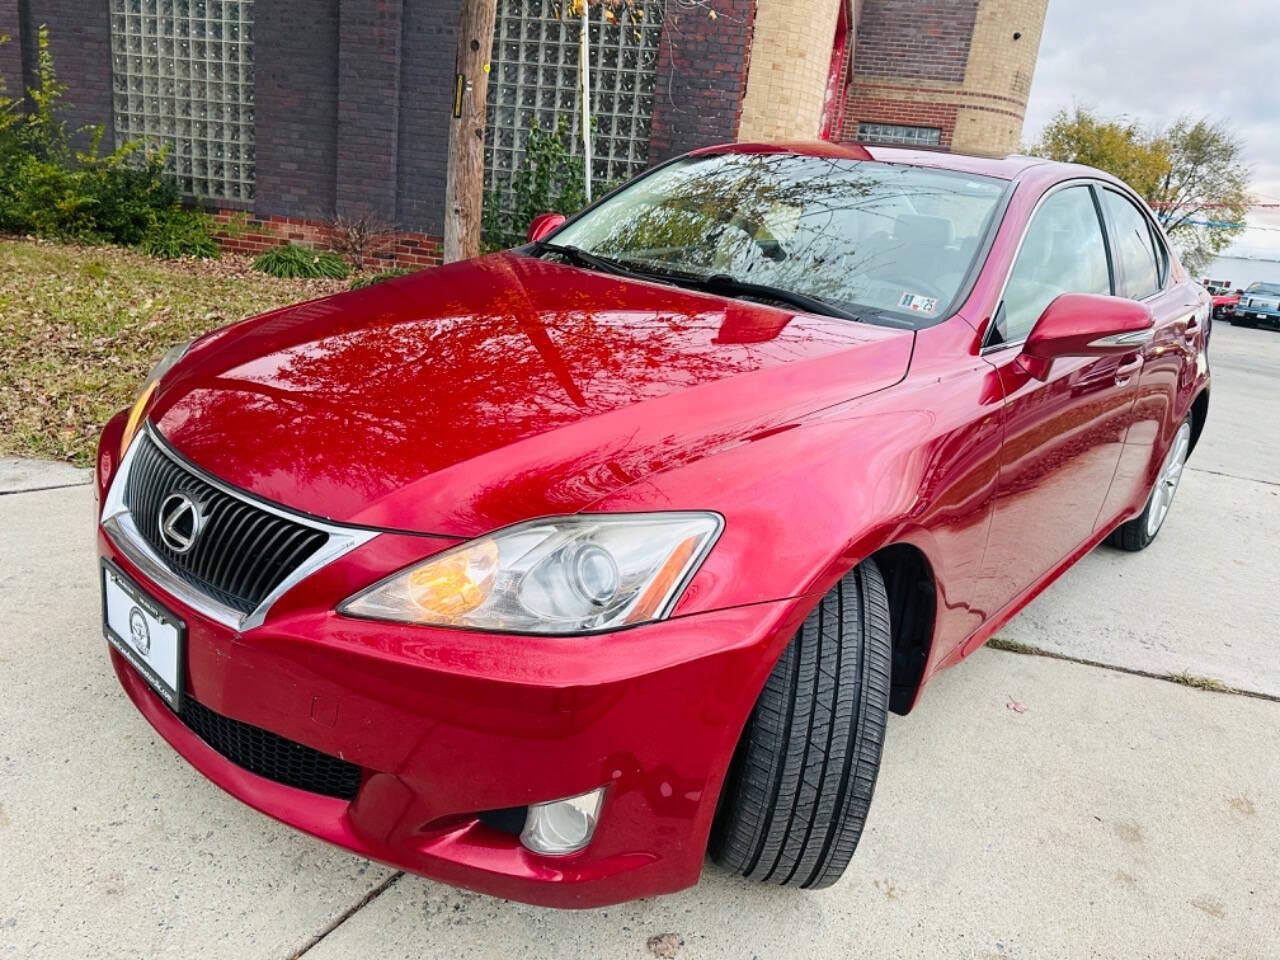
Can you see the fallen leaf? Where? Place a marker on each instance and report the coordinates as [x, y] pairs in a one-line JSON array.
[[665, 945]]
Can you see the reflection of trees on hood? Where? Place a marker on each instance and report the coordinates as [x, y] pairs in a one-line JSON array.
[[411, 376]]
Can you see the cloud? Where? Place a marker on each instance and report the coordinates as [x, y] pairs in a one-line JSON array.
[[1153, 61]]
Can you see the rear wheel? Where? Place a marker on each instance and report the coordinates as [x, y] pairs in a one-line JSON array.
[[1142, 529], [801, 784]]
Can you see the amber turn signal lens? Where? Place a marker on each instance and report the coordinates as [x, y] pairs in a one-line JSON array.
[[135, 416], [456, 584]]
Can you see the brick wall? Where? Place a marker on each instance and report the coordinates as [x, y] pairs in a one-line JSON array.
[[999, 75], [951, 64], [241, 232], [428, 44], [295, 106], [11, 53], [80, 41], [368, 107], [702, 76], [914, 39], [870, 109], [789, 69]]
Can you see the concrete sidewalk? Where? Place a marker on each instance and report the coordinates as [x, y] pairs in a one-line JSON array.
[[1030, 807], [1116, 816]]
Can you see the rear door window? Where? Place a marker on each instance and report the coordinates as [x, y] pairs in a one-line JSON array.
[[1140, 271]]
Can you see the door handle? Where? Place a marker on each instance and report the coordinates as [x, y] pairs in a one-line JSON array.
[[1125, 372]]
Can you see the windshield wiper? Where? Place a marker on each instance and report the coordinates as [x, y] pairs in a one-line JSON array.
[[726, 285], [580, 257]]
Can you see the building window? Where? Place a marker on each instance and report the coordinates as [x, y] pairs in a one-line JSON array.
[[535, 77], [183, 81], [897, 134]]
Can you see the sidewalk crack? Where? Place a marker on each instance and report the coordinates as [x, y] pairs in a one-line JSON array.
[[56, 486], [1027, 650], [359, 905], [1234, 476]]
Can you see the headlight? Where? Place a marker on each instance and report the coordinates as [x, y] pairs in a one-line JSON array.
[[560, 575], [167, 363]]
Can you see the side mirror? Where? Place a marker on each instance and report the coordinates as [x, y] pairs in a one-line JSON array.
[[1239, 292], [1086, 325], [543, 224]]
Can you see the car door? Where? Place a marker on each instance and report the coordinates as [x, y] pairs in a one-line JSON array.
[[1142, 266], [1063, 435]]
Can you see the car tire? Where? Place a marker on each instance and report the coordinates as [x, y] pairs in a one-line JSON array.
[[1138, 533], [800, 786]]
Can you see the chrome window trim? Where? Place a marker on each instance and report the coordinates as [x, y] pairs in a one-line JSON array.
[[124, 534]]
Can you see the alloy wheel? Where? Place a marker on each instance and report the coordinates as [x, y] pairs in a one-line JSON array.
[[1168, 479]]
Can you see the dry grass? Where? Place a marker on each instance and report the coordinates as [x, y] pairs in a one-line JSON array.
[[1013, 646], [80, 327], [1200, 683]]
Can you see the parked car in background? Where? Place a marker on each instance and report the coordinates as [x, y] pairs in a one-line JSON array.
[[1224, 297], [1259, 304], [549, 572]]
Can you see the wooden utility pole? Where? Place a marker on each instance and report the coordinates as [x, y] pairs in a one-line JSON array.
[[464, 186]]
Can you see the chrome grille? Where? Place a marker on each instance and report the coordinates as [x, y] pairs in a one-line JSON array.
[[243, 552]]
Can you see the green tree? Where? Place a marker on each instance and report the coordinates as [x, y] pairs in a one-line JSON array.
[[1204, 195], [1192, 173], [1121, 148]]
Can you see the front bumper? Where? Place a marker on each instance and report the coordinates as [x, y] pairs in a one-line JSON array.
[[1251, 312], [446, 724]]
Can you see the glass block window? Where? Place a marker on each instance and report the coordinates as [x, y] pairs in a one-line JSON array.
[[535, 76], [896, 134], [183, 79]]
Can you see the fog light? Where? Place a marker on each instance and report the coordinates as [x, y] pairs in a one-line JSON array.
[[562, 826]]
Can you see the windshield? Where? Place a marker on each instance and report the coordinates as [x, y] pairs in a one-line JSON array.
[[1266, 289], [868, 236]]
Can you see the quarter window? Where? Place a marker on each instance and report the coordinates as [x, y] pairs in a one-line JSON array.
[[1136, 257], [1063, 252]]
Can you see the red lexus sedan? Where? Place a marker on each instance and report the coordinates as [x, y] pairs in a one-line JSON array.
[[551, 572]]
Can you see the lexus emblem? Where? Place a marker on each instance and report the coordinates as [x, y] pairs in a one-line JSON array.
[[180, 522], [139, 632]]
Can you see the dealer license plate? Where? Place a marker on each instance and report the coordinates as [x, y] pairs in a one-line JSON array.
[[151, 638]]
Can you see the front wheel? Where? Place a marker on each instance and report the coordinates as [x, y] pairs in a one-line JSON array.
[[802, 779], [1138, 533]]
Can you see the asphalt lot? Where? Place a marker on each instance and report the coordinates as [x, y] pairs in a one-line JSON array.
[[1030, 807]]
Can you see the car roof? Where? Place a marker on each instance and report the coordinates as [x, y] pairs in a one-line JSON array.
[[1012, 167]]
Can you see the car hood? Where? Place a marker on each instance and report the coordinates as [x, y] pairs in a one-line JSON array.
[[472, 396]]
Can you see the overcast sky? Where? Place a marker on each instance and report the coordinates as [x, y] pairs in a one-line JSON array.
[[1152, 60]]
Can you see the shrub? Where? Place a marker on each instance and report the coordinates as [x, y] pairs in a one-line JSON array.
[[292, 260], [369, 279], [51, 189], [180, 233], [549, 178]]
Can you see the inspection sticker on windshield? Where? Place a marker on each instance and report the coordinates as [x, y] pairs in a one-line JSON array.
[[913, 301]]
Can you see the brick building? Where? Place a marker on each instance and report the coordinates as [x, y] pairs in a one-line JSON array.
[[291, 113]]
